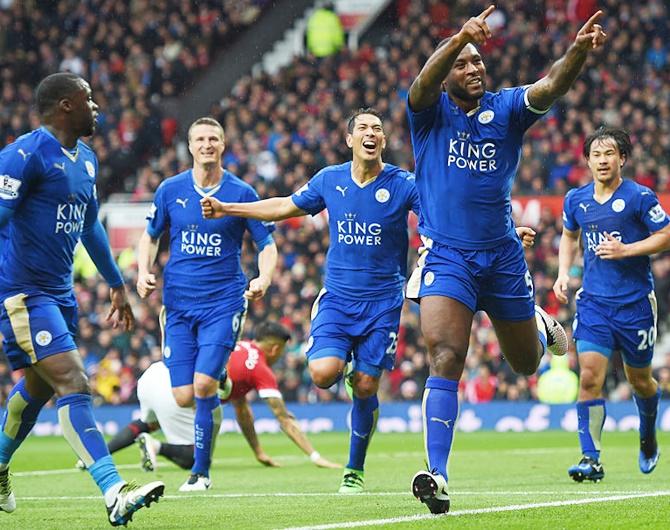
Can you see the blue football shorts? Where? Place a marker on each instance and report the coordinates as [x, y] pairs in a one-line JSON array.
[[36, 326], [199, 340], [494, 280], [603, 327], [363, 330]]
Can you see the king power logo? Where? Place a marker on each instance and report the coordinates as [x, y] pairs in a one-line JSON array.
[[200, 244], [70, 218], [476, 157], [593, 239], [353, 232]]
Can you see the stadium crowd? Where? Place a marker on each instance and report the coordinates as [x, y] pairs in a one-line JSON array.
[[281, 129]]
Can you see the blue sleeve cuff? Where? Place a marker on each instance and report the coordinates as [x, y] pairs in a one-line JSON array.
[[269, 240]]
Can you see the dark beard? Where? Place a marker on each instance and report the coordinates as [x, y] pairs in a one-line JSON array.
[[464, 95]]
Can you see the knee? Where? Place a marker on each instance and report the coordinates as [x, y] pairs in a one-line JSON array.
[[446, 359], [589, 382], [75, 383], [644, 386], [365, 386], [183, 397], [204, 389], [322, 378], [527, 366]]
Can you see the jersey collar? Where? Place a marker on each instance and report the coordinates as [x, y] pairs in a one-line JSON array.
[[367, 183], [207, 192], [72, 155]]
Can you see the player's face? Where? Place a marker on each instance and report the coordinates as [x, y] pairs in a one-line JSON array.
[[84, 110], [605, 161], [367, 141], [467, 78], [206, 145]]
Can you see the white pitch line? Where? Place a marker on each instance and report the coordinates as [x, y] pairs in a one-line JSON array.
[[478, 511], [298, 458], [332, 494]]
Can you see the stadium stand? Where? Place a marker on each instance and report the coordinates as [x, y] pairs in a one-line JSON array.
[[282, 128]]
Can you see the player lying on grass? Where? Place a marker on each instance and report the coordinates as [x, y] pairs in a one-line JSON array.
[[249, 369]]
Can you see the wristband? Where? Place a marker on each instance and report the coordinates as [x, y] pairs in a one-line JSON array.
[[314, 456]]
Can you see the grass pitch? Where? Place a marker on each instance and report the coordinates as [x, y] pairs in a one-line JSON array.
[[497, 480]]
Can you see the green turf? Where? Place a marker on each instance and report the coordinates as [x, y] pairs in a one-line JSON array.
[[487, 470]]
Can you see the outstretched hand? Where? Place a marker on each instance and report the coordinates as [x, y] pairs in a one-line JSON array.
[[476, 30], [265, 459], [322, 462], [592, 35], [212, 208]]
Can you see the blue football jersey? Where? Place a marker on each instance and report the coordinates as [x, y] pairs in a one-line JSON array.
[[204, 266], [52, 193], [465, 166], [367, 258], [631, 214]]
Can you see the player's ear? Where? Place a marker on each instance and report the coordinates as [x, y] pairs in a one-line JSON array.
[[349, 140], [65, 105]]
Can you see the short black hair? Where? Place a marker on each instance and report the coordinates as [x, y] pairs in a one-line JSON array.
[[55, 87], [272, 330], [357, 113], [620, 137]]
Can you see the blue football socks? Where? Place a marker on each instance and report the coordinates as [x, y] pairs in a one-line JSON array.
[[363, 420], [440, 409]]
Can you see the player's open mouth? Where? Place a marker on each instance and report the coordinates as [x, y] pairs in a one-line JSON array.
[[475, 82], [369, 146]]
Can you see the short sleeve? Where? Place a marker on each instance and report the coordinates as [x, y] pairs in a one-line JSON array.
[[421, 123], [569, 221], [17, 170], [259, 230], [651, 212], [265, 382], [309, 198], [523, 113], [157, 216]]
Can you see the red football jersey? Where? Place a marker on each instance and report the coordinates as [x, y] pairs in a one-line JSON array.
[[248, 370]]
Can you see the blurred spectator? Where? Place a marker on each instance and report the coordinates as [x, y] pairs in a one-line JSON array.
[[325, 34]]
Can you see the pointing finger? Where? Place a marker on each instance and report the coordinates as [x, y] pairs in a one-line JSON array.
[[486, 12], [592, 20]]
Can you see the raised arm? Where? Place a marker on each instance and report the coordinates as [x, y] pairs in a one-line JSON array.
[[274, 209], [427, 87], [147, 249], [245, 418], [290, 426], [567, 250], [543, 93]]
